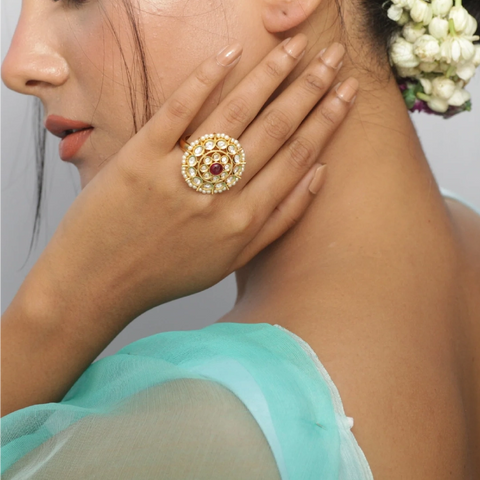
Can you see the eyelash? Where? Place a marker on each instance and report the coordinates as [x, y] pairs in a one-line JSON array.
[[74, 3]]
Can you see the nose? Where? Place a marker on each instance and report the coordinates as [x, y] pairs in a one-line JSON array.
[[33, 61]]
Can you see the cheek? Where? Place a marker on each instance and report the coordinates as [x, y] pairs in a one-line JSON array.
[[179, 39], [179, 35]]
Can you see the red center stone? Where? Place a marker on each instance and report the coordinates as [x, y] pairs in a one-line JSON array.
[[216, 169]]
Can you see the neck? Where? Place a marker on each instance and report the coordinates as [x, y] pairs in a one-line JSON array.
[[379, 203]]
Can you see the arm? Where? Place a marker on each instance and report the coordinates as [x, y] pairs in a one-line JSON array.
[[177, 430], [49, 339]]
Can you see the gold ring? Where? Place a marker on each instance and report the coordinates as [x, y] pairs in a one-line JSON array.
[[213, 163]]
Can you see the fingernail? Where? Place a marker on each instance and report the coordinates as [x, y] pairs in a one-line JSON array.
[[347, 91], [229, 55], [296, 46], [318, 180], [332, 55]]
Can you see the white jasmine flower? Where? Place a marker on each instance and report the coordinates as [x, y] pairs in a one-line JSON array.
[[443, 87], [457, 49], [427, 85], [459, 97], [411, 33], [441, 7], [401, 54], [460, 18], [470, 27], [476, 57], [466, 71], [404, 3], [395, 13], [428, 66], [405, 18], [438, 28], [442, 67], [421, 12], [426, 48], [438, 104]]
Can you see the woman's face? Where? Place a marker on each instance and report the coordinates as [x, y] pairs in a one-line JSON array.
[[65, 52]]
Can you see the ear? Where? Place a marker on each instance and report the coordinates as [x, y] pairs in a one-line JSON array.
[[283, 15]]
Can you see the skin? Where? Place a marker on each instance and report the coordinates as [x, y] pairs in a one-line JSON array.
[[376, 277]]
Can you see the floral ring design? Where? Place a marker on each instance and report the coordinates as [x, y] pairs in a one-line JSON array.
[[212, 164]]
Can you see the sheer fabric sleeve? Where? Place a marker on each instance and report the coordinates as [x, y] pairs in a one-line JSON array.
[[179, 430]]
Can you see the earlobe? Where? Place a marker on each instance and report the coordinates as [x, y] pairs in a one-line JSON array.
[[283, 15]]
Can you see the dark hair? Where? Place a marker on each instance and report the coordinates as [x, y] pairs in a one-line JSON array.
[[375, 26]]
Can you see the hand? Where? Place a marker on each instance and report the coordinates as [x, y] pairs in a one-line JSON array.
[[138, 236]]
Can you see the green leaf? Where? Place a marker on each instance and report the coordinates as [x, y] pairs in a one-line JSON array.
[[409, 97]]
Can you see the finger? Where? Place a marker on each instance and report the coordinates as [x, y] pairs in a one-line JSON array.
[[164, 129], [274, 182], [286, 215], [243, 103], [275, 125]]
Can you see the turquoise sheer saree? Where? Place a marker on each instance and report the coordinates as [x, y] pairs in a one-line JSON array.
[[229, 401]]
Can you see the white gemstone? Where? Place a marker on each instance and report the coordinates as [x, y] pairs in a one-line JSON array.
[[209, 145], [192, 172], [207, 186], [192, 161], [230, 180], [237, 158], [207, 175], [224, 159], [221, 144], [197, 181], [219, 186], [198, 151], [227, 168], [216, 178], [223, 175], [204, 168], [216, 156], [232, 149], [208, 160], [237, 169]]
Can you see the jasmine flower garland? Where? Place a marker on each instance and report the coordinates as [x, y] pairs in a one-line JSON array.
[[434, 55]]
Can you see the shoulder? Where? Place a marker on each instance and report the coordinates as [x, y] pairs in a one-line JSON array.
[[467, 225]]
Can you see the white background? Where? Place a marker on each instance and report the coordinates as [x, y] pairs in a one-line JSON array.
[[452, 147]]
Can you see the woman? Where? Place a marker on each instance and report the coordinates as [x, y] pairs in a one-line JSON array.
[[379, 280]]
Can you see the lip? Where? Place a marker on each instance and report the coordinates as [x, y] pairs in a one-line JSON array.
[[58, 125], [71, 144]]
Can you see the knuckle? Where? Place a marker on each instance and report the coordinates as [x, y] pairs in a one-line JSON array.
[[288, 220], [302, 153], [327, 116], [237, 111], [178, 109], [277, 125], [204, 77], [314, 84], [273, 69], [241, 222]]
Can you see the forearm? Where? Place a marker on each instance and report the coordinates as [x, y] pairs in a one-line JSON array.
[[49, 337]]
